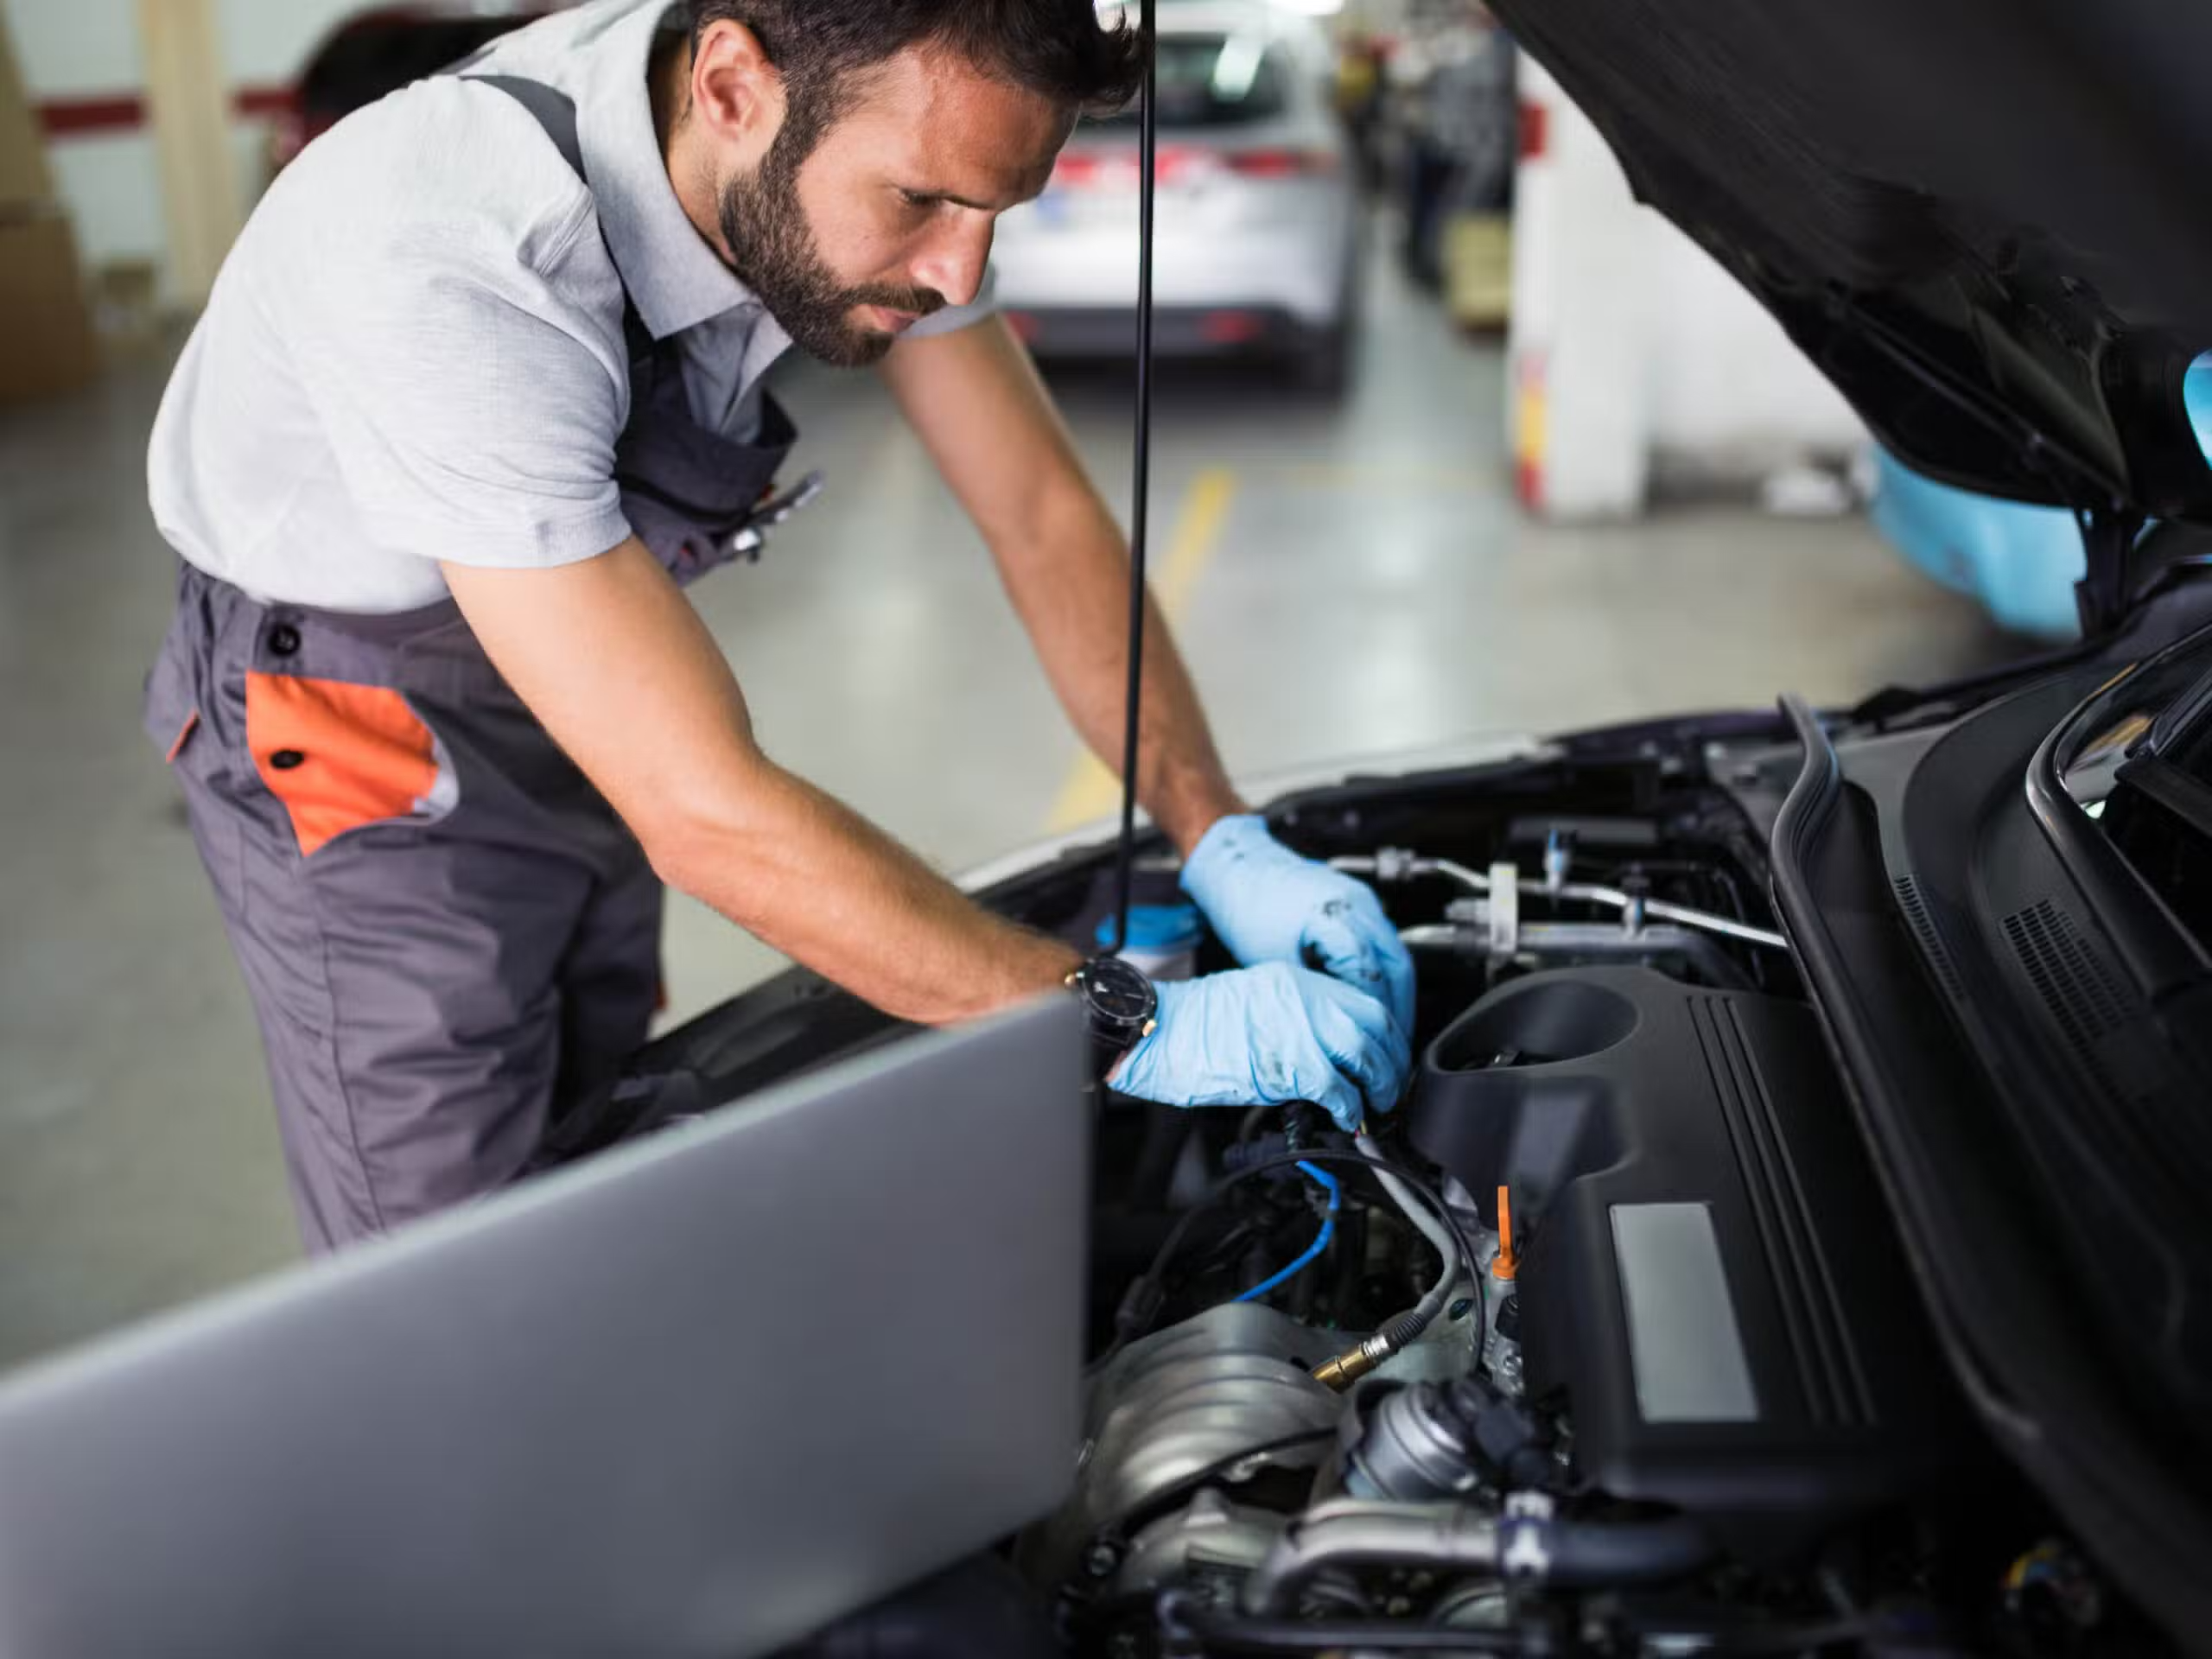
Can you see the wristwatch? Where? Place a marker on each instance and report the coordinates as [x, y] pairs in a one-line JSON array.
[[1119, 1008]]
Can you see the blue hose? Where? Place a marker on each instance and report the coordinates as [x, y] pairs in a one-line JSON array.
[[1328, 1183]]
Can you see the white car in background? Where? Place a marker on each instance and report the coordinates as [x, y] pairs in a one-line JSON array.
[[1258, 219]]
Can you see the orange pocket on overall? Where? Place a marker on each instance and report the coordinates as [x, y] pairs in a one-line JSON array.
[[340, 757]]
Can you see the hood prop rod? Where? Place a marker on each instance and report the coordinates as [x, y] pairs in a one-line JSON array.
[[1148, 144]]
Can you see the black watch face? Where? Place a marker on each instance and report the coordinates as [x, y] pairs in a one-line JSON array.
[[1118, 993]]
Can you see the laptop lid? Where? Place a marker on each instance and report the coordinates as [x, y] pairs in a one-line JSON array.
[[696, 1398]]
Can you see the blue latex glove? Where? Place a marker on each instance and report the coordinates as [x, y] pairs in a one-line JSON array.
[[1266, 903], [1267, 1034]]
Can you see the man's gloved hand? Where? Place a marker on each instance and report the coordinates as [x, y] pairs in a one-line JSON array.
[[1271, 1034], [1268, 904]]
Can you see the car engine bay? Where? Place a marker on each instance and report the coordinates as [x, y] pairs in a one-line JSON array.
[[1605, 1341], [1676, 1336]]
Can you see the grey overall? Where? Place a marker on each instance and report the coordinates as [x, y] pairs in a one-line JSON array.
[[446, 932]]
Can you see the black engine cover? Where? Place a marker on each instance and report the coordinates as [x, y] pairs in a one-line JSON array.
[[1709, 1272]]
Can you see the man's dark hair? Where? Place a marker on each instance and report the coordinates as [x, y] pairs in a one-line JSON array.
[[1055, 49]]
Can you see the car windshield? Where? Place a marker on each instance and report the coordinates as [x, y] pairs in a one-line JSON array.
[[1214, 80]]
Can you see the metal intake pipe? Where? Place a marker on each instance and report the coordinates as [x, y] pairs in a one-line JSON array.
[[1525, 1545], [1394, 865]]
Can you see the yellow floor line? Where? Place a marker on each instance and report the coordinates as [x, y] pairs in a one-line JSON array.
[[1091, 791]]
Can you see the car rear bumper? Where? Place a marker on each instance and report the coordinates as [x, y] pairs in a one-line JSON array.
[[1296, 266], [1177, 331]]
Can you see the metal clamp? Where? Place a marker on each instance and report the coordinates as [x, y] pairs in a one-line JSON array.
[[1504, 906]]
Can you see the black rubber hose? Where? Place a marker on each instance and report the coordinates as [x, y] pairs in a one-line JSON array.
[[1213, 1635], [1195, 1633], [1612, 1553], [1533, 1551]]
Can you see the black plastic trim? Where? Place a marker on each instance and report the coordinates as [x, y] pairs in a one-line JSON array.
[[2160, 953], [1805, 811], [2019, 1345]]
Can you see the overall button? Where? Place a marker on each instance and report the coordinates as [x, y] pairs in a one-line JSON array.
[[285, 760], [283, 641]]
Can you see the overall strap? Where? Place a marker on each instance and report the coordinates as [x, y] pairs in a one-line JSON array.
[[555, 111]]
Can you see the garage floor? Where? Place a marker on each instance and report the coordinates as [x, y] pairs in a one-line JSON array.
[[1348, 581]]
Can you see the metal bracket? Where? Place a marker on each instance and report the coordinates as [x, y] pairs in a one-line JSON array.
[[2107, 541], [1504, 913], [1525, 1534]]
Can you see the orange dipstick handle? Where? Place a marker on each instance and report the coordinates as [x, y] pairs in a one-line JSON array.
[[1506, 1264]]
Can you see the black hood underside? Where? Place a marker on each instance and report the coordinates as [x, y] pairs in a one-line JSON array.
[[1985, 220]]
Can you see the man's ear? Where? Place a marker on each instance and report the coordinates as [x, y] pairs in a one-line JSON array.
[[737, 95]]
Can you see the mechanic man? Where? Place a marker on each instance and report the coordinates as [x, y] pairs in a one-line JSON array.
[[478, 388]]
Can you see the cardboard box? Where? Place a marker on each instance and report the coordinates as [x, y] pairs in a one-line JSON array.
[[46, 324], [24, 176]]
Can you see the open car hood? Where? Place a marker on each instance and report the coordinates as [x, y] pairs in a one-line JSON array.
[[1982, 220]]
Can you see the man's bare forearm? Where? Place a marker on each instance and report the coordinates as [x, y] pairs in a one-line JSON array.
[[806, 874], [619, 668], [1074, 601], [978, 404]]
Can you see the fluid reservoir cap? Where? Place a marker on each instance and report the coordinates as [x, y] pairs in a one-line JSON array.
[[1157, 927], [1163, 939]]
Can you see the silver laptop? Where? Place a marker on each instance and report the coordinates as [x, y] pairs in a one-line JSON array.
[[700, 1397]]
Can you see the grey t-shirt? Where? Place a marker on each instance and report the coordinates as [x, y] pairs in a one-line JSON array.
[[415, 353]]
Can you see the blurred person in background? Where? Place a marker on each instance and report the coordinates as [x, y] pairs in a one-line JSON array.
[[1460, 137], [1359, 97]]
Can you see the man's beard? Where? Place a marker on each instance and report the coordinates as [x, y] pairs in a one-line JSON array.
[[772, 250]]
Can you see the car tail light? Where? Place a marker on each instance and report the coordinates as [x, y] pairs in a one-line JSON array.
[[1187, 163], [1280, 164], [1180, 163], [1114, 170], [1076, 172], [1232, 328]]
